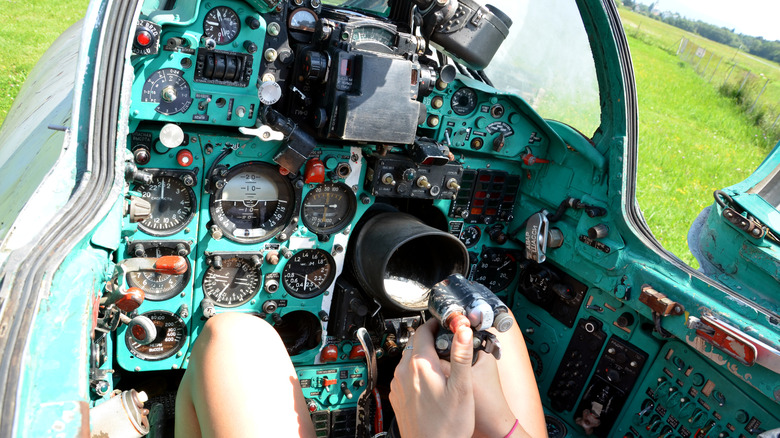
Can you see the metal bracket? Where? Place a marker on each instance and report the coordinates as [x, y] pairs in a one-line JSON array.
[[659, 303]]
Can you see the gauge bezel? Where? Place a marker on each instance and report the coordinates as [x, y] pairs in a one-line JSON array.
[[185, 278], [230, 12], [298, 11], [159, 174], [342, 222], [250, 269], [282, 184], [161, 334], [295, 261], [461, 110]]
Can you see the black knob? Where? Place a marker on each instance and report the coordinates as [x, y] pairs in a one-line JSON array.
[[358, 307], [315, 65], [250, 46], [181, 250], [497, 235], [138, 250], [253, 23], [141, 155]]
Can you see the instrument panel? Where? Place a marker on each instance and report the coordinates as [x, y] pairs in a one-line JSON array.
[[268, 141]]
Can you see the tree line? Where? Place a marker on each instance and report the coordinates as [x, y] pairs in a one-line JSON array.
[[757, 46]]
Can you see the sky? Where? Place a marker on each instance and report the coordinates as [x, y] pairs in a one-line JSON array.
[[749, 17]]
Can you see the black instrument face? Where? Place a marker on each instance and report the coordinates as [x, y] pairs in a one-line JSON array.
[[171, 336], [496, 270], [172, 205], [222, 24], [234, 284], [156, 286], [464, 101], [328, 208], [255, 203], [168, 88], [308, 273], [470, 236]]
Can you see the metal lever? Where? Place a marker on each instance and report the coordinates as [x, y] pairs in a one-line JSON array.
[[536, 231], [363, 402]]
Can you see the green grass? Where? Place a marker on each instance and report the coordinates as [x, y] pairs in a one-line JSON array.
[[721, 65], [29, 27], [692, 141]]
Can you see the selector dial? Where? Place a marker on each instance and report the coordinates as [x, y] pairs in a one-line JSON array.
[[168, 88]]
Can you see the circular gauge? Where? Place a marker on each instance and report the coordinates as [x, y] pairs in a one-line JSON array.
[[470, 236], [168, 88], [329, 208], [222, 24], [172, 205], [496, 270], [232, 285], [303, 20], [308, 273], [171, 336], [464, 101], [254, 203], [156, 286]]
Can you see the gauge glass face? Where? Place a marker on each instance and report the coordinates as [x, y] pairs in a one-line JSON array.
[[496, 270], [308, 273], [234, 284], [172, 205], [470, 236], [156, 286], [255, 203], [171, 336], [303, 20], [464, 101], [328, 208], [222, 24], [169, 89]]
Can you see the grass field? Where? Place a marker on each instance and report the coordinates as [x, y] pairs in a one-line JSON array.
[[719, 65], [29, 28], [692, 139]]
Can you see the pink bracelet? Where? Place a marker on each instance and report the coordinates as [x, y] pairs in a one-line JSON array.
[[513, 429]]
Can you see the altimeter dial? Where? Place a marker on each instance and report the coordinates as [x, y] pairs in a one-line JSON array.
[[235, 283], [172, 205]]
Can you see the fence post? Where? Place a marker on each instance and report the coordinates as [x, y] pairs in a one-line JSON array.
[[728, 75], [744, 81], [773, 124], [716, 69], [759, 96], [681, 46], [704, 72]]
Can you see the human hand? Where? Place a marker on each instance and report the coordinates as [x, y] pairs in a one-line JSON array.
[[427, 402]]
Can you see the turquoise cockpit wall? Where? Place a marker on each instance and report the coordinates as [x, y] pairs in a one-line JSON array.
[[267, 223]]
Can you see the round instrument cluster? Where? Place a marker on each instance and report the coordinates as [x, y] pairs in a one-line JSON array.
[[172, 202], [234, 283], [171, 337], [308, 273], [328, 208], [158, 286]]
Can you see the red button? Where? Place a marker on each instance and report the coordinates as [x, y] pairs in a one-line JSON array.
[[315, 172], [184, 158], [329, 354], [144, 38], [357, 352]]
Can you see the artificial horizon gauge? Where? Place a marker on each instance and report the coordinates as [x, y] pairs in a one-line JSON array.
[[222, 25], [172, 205], [254, 202], [157, 286], [328, 208], [171, 337], [169, 89], [234, 284], [308, 273], [496, 270], [464, 101]]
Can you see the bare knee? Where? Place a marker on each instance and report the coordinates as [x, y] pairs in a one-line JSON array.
[[235, 330]]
